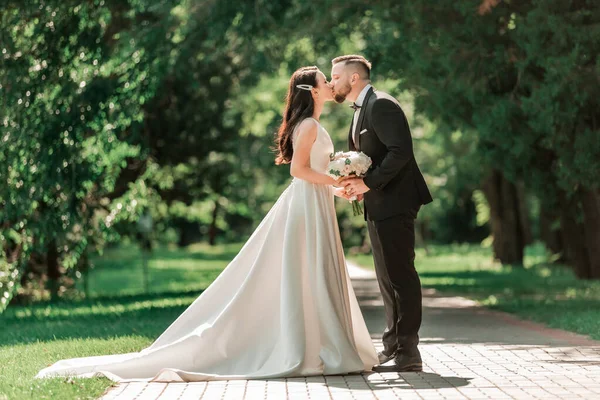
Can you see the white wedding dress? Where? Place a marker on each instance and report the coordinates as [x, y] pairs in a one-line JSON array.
[[284, 307]]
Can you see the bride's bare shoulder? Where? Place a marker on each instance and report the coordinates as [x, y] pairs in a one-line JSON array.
[[309, 122]]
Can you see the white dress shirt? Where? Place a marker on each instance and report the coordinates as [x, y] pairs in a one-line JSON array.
[[359, 102]]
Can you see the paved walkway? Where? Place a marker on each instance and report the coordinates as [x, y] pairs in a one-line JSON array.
[[468, 353]]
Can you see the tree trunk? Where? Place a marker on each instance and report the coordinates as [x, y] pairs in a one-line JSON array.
[[212, 231], [524, 214], [573, 237], [189, 232], [551, 236], [506, 221], [54, 273], [590, 201], [85, 272]]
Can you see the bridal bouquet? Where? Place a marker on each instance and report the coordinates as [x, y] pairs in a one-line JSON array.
[[349, 164]]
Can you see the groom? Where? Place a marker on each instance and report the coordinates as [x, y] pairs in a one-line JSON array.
[[393, 190]]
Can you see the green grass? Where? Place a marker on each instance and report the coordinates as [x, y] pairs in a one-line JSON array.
[[119, 272], [542, 292], [117, 318]]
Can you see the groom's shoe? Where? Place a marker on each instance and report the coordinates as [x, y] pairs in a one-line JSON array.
[[409, 361], [383, 358]]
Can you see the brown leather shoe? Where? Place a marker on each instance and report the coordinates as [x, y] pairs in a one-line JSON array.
[[409, 361]]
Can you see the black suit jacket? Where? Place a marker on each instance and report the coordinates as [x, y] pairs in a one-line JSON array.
[[395, 181]]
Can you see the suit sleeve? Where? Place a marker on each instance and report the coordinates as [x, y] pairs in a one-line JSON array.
[[391, 128]]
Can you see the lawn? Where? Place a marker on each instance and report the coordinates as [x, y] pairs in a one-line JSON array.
[[119, 317], [540, 291]]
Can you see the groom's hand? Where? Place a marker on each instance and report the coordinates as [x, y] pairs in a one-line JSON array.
[[355, 187]]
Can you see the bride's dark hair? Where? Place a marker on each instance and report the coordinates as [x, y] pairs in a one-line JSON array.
[[299, 104]]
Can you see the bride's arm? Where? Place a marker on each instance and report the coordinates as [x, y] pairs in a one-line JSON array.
[[300, 168]]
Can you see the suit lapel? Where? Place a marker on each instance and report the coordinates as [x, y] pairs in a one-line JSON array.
[[361, 117], [351, 146]]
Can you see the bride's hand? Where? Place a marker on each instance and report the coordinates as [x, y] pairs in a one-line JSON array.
[[341, 192], [340, 181]]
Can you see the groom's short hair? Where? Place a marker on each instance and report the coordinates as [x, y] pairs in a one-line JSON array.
[[359, 61]]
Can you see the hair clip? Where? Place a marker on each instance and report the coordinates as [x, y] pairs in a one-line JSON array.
[[304, 87]]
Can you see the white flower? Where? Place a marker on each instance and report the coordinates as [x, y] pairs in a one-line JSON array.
[[349, 163]]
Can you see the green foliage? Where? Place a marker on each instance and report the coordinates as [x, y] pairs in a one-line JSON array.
[[523, 76], [72, 83], [558, 59]]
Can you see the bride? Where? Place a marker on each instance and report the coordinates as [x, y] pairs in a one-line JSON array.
[[284, 306]]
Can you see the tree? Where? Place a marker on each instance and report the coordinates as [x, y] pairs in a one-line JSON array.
[[73, 84]]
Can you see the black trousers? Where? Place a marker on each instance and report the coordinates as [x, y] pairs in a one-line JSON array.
[[393, 245]]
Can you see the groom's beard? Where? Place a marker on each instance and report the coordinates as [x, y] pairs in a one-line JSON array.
[[340, 96]]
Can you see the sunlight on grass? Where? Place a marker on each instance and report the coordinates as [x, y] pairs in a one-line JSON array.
[[25, 360], [101, 308]]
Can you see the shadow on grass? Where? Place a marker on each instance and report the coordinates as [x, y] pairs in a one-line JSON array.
[[43, 309], [146, 315], [116, 258], [539, 279]]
